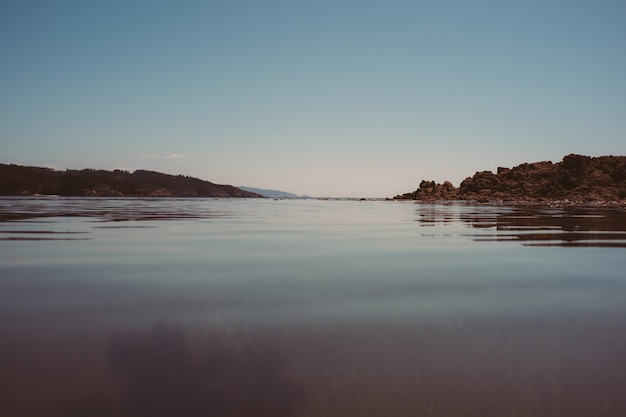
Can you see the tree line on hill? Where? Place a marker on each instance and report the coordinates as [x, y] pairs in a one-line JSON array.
[[18, 180]]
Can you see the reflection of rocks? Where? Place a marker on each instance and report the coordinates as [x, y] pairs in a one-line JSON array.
[[159, 375], [577, 179], [535, 225]]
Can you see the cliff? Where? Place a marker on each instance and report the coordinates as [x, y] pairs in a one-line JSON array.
[[22, 180], [577, 178]]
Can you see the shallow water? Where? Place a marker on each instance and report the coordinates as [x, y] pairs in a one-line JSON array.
[[131, 307]]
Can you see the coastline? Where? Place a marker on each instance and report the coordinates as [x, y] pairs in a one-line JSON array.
[[520, 203], [575, 181]]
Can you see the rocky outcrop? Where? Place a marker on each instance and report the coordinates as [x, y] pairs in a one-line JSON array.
[[577, 178], [21, 180], [429, 190]]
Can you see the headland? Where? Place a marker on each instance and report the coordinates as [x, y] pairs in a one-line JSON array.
[[577, 179]]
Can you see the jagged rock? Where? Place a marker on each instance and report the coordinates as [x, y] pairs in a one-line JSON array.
[[431, 191], [577, 178]]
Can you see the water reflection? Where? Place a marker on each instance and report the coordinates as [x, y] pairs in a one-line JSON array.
[[534, 225], [53, 218], [311, 309], [159, 374], [106, 209]]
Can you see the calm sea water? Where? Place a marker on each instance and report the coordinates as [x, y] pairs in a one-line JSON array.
[[198, 307]]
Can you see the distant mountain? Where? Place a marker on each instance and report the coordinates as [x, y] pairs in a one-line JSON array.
[[23, 180], [576, 179], [272, 193]]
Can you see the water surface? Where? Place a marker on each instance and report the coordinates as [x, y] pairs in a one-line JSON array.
[[129, 307]]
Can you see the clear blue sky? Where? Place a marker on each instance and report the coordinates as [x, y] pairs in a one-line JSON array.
[[326, 98]]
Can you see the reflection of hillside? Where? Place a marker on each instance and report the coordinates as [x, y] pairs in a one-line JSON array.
[[108, 209], [536, 226], [159, 374]]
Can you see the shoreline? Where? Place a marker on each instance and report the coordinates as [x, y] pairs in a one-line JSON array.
[[526, 203], [515, 202]]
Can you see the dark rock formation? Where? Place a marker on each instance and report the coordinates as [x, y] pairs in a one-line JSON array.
[[21, 180], [575, 179], [429, 190]]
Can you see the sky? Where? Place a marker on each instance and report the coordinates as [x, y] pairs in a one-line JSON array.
[[324, 98]]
